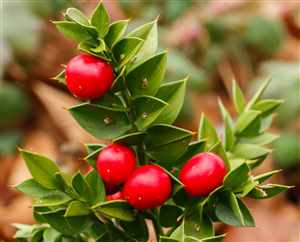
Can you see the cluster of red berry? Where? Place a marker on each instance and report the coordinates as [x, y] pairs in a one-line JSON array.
[[147, 186]]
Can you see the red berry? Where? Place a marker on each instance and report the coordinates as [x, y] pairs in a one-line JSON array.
[[88, 77], [202, 174], [115, 196], [115, 163], [148, 187]]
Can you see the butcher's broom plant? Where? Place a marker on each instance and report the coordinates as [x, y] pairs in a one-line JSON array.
[[153, 176]]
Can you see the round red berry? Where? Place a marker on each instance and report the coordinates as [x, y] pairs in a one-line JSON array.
[[115, 163], [115, 196], [202, 174], [148, 187], [88, 77]]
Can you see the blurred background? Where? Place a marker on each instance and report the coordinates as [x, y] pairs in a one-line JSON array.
[[211, 41]]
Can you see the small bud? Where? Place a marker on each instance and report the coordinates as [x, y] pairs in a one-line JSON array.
[[144, 83], [144, 115], [108, 120]]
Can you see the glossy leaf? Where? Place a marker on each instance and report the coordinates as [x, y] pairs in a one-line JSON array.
[[101, 122], [125, 50], [169, 215], [116, 31], [220, 151], [97, 187], [162, 138], [77, 208], [32, 188], [100, 19], [268, 190], [265, 176], [258, 94], [116, 209], [236, 177], [148, 33], [145, 78], [82, 188], [41, 168], [245, 120], [77, 16], [56, 198], [137, 229], [262, 139], [173, 93], [250, 151], [147, 109], [207, 131], [238, 98], [51, 235], [267, 106], [131, 139]]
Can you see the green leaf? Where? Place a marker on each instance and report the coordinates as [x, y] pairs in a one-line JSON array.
[[64, 184], [131, 139], [250, 151], [33, 189], [267, 191], [265, 176], [100, 19], [101, 122], [97, 187], [207, 131], [93, 49], [220, 151], [248, 219], [178, 234], [116, 209], [267, 106], [238, 98], [100, 47], [258, 94], [51, 235], [92, 157], [247, 187], [109, 100], [193, 149], [82, 188], [93, 147], [218, 238], [246, 120], [173, 93], [198, 225], [147, 32], [41, 168], [77, 16], [116, 31], [169, 215], [126, 49], [56, 198], [73, 30], [236, 177], [136, 229], [228, 210], [147, 109], [262, 139], [180, 198], [167, 239], [145, 78], [77, 208], [36, 236], [160, 139], [119, 82], [67, 226]]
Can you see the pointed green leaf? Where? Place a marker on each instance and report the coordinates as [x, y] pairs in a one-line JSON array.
[[145, 78], [246, 120], [93, 49], [265, 176], [97, 187], [267, 106], [116, 209], [258, 94], [167, 239], [147, 32], [217, 238], [220, 151], [236, 177], [250, 151], [82, 188], [116, 31], [238, 98], [77, 16], [178, 234], [56, 198], [100, 19], [207, 131], [248, 219], [268, 190], [32, 188], [173, 93], [131, 139], [73, 30], [169, 215], [125, 50], [262, 139], [77, 208], [162, 138], [119, 82], [41, 168], [136, 229], [60, 77], [51, 235], [101, 122], [147, 109]]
